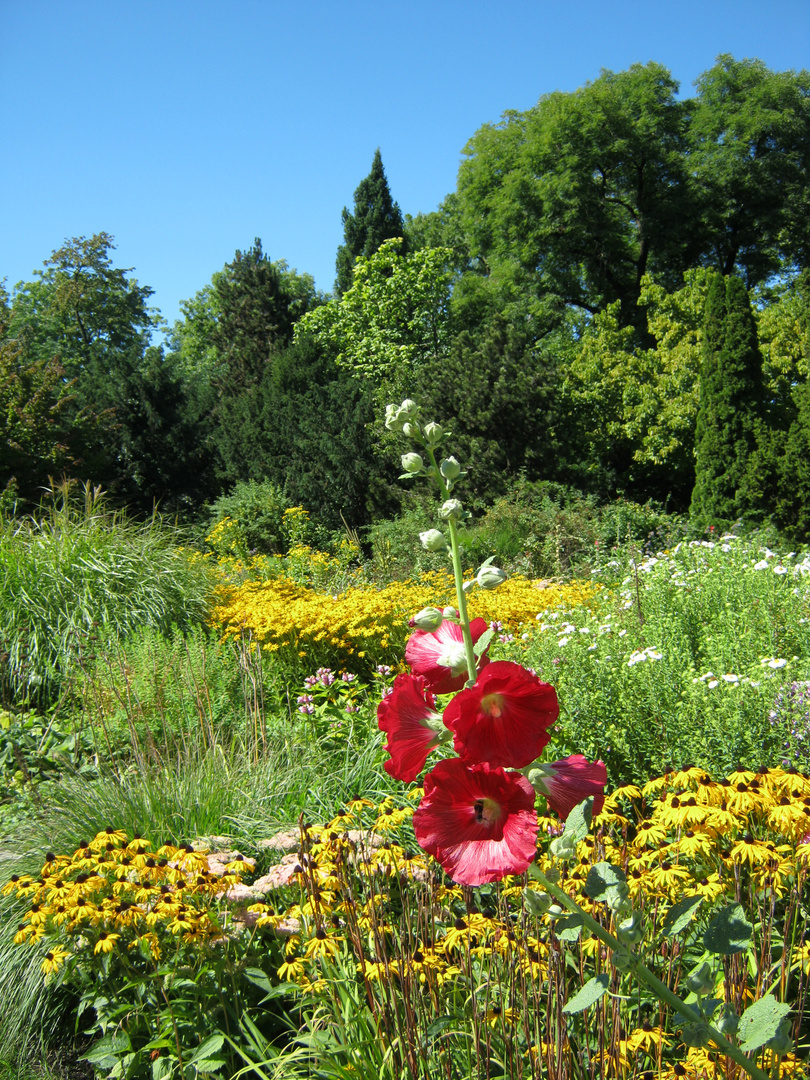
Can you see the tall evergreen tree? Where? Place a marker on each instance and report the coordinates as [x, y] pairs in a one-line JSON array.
[[376, 218], [731, 399]]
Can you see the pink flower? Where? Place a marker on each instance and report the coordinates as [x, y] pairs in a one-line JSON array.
[[503, 719], [408, 717], [439, 655], [572, 780], [479, 823]]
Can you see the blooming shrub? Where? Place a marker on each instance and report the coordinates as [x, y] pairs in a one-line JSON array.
[[158, 945]]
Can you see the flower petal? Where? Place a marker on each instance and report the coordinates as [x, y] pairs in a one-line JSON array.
[[439, 655], [503, 719], [479, 823]]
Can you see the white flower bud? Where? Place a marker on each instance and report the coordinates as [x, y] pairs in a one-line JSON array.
[[412, 431], [433, 433], [451, 510], [408, 408], [429, 619], [433, 540], [450, 613], [450, 468], [412, 463], [490, 577], [393, 418]]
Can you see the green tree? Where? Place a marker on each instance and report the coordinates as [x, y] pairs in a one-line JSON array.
[[34, 435], [584, 194], [393, 318], [731, 400], [376, 218], [749, 155]]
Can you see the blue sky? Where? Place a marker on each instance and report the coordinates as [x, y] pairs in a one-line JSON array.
[[188, 127]]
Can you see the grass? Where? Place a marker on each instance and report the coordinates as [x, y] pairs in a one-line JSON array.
[[77, 573]]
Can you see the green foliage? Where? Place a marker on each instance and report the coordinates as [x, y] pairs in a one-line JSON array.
[[77, 572], [322, 451], [731, 393], [749, 136], [393, 318], [35, 439], [376, 218], [584, 193], [249, 520], [664, 672], [499, 387]]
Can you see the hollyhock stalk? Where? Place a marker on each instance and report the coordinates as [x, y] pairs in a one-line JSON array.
[[643, 974], [458, 575]]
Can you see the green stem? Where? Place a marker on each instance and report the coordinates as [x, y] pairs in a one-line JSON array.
[[458, 574], [652, 981]]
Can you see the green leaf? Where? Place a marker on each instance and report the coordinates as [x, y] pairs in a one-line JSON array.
[[483, 642], [728, 932], [258, 978], [759, 1024], [210, 1046], [106, 1052], [600, 878], [578, 823], [590, 993], [680, 915], [568, 927]]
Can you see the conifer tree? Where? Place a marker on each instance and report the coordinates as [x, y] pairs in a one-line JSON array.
[[731, 392], [376, 218]]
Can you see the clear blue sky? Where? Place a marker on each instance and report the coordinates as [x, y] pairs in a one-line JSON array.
[[188, 127]]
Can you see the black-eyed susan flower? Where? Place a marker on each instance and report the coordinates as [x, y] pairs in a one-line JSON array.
[[54, 959], [105, 943]]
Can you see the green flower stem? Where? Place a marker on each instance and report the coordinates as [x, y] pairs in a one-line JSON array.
[[458, 574], [643, 974]]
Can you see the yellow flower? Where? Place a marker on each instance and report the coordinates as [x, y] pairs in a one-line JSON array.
[[106, 942], [292, 970], [322, 945], [54, 959]]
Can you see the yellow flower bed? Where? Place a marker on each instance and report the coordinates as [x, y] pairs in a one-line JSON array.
[[367, 622]]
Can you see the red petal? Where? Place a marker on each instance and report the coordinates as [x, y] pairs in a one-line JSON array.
[[503, 719], [479, 823], [401, 716], [574, 780], [425, 650]]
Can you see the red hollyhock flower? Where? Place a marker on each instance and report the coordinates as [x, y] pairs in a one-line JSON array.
[[503, 719], [572, 780], [405, 715], [439, 655], [478, 822]]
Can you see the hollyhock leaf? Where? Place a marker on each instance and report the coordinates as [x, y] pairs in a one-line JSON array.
[[590, 993], [760, 1022], [483, 642], [578, 823], [568, 928], [729, 931], [406, 715], [680, 915], [504, 718], [439, 655], [600, 878], [478, 822]]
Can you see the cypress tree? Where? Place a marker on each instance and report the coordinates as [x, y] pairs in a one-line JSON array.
[[376, 218], [731, 392]]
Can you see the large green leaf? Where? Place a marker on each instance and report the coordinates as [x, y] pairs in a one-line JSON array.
[[590, 993], [601, 877], [680, 915], [728, 932], [759, 1024]]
